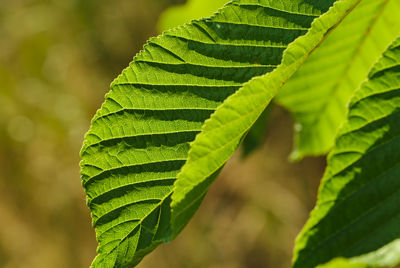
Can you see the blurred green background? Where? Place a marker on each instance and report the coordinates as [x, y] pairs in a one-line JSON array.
[[57, 59]]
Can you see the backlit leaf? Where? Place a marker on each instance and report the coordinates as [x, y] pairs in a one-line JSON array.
[[319, 92], [358, 204]]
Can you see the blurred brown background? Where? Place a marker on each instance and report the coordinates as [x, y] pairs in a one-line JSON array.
[[57, 59]]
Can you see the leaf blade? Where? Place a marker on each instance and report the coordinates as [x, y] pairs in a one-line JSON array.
[[140, 138], [357, 207]]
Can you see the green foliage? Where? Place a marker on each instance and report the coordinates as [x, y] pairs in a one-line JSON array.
[[178, 112], [358, 204], [318, 93]]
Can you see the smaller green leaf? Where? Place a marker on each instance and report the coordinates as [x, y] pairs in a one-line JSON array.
[[357, 211]]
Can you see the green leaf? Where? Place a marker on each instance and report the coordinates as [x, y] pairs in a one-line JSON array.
[[192, 9], [140, 138], [318, 93], [357, 211], [222, 133]]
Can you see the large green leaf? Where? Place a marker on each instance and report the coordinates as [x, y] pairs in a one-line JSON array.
[[358, 204], [222, 133], [140, 138], [318, 93]]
